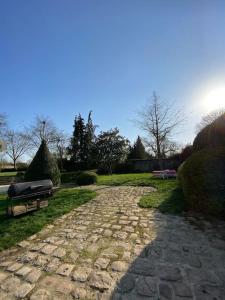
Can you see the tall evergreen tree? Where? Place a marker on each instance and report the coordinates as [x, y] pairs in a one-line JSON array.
[[89, 139], [77, 148], [83, 140], [137, 151]]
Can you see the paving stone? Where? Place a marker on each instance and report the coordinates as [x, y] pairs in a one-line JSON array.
[[23, 290], [201, 276], [120, 235], [37, 247], [41, 294], [10, 284], [208, 292], [165, 291], [28, 257], [65, 269], [100, 280], [102, 263], [126, 255], [128, 229], [127, 283], [5, 296], [79, 293], [107, 233], [133, 218], [117, 227], [53, 265], [169, 273], [60, 252], [34, 275], [23, 271], [119, 266], [3, 276], [143, 267], [124, 222], [182, 290], [48, 249], [146, 286], [81, 274], [5, 264], [57, 284], [24, 244], [41, 260], [14, 267]]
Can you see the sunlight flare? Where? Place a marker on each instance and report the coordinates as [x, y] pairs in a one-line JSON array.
[[215, 99]]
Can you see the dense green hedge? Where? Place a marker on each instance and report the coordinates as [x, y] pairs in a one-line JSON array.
[[86, 178], [202, 178]]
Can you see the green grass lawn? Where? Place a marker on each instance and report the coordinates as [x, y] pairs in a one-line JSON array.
[[7, 174], [14, 230], [168, 198]]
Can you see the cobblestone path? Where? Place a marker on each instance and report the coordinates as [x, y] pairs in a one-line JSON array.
[[110, 248]]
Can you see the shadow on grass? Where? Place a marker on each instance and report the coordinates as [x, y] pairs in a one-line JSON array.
[[169, 200]]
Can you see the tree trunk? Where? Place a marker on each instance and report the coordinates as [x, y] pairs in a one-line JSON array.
[[14, 164]]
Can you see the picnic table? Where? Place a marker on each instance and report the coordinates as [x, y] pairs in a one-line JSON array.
[[165, 174]]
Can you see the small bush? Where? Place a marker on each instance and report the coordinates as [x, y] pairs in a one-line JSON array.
[[86, 178], [202, 178], [67, 177]]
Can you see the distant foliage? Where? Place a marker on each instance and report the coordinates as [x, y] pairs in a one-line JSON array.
[[111, 148], [43, 166], [86, 178], [137, 151], [202, 178], [212, 135]]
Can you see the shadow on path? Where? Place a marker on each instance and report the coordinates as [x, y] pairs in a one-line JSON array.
[[181, 262]]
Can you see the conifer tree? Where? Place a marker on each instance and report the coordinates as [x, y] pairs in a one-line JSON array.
[[77, 148], [43, 166], [138, 150]]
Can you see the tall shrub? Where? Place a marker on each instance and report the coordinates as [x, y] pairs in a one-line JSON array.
[[43, 166]]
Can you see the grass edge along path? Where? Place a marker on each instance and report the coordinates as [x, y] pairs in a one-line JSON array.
[[168, 198], [14, 230]]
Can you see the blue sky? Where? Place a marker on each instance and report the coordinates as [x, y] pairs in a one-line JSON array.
[[61, 58]]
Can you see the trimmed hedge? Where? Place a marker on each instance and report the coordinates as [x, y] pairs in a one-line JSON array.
[[202, 178], [43, 166], [86, 178]]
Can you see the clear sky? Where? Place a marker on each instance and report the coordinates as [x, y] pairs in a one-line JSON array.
[[59, 58]]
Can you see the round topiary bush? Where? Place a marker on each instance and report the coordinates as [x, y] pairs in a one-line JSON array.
[[86, 178], [43, 166], [211, 136], [202, 179]]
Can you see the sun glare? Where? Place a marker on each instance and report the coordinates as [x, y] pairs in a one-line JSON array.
[[215, 99]]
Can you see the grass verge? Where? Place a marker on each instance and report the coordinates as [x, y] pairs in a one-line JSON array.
[[168, 198], [14, 230]]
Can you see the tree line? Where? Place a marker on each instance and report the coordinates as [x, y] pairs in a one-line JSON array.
[[158, 120]]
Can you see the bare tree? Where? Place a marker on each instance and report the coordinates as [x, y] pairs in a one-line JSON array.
[[61, 146], [42, 129], [159, 120], [209, 118], [17, 144]]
